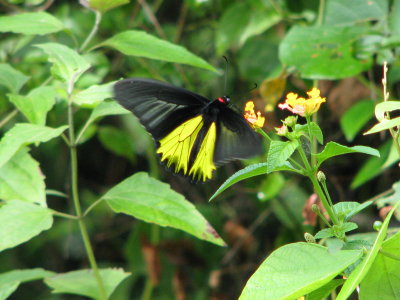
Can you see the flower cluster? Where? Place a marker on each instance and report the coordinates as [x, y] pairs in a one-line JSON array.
[[255, 119], [301, 106]]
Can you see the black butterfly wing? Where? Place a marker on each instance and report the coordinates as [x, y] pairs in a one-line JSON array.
[[236, 139], [160, 107]]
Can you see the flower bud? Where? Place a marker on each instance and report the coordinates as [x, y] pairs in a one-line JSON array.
[[309, 238], [321, 176]]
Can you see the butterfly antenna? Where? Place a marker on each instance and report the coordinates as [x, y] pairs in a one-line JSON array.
[[226, 73]]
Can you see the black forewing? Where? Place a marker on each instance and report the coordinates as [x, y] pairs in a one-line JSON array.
[[236, 139], [159, 106]]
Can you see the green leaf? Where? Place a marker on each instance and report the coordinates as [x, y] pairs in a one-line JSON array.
[[94, 94], [315, 131], [355, 118], [228, 32], [12, 78], [279, 152], [372, 167], [83, 282], [334, 149], [384, 125], [386, 106], [383, 278], [139, 43], [251, 18], [36, 104], [343, 12], [24, 275], [23, 134], [248, 172], [117, 141], [9, 281], [324, 291], [363, 268], [295, 270], [271, 186], [7, 289], [394, 18], [21, 179], [153, 201], [346, 210], [324, 233], [108, 108], [103, 5], [323, 52], [68, 65], [21, 221], [31, 23]]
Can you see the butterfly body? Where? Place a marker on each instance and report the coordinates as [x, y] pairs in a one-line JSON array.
[[193, 134]]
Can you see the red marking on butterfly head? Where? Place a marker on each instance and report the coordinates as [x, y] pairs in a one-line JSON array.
[[224, 99]]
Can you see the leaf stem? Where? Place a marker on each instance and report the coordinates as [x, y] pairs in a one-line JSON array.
[[75, 195], [8, 117], [93, 32], [93, 205], [63, 215]]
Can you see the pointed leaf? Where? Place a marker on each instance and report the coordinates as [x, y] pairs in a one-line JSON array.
[[153, 201], [7, 289], [248, 172], [343, 12], [83, 282], [362, 269], [384, 107], [23, 134], [279, 152], [22, 168], [142, 44], [103, 5], [384, 125], [295, 270], [21, 221], [108, 108], [323, 52], [94, 94], [12, 78], [334, 149], [31, 23], [68, 65], [355, 118], [24, 275], [36, 104], [382, 280]]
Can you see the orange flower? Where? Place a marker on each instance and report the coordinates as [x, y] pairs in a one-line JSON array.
[[301, 106], [255, 119]]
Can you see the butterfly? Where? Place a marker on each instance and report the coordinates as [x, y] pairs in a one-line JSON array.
[[193, 134]]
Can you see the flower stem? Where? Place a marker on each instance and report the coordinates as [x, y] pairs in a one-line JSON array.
[[75, 197], [324, 200], [93, 32]]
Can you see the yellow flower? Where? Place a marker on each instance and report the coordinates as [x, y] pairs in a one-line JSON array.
[[301, 106], [255, 119]]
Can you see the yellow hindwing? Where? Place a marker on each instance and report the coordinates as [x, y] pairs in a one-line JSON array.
[[177, 146], [203, 165]]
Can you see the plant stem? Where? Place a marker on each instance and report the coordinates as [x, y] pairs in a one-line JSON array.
[[75, 196], [63, 215], [324, 201], [93, 205], [93, 32], [8, 117], [321, 11]]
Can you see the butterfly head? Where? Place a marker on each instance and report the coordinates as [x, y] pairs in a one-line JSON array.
[[224, 100]]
